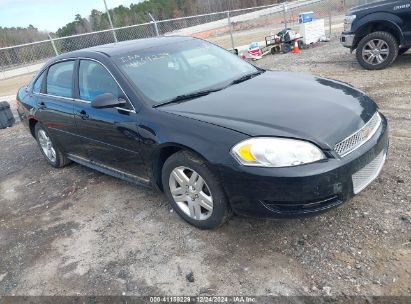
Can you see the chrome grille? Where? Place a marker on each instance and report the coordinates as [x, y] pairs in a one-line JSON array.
[[366, 175], [360, 137]]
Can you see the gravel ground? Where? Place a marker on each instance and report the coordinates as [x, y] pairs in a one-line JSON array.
[[74, 231]]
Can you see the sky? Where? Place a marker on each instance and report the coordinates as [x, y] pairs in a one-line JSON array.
[[49, 15]]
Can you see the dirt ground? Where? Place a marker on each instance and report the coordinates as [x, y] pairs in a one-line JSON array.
[[11, 85], [74, 231]]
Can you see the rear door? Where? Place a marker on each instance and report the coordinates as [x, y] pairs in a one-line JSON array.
[[110, 135], [55, 105]]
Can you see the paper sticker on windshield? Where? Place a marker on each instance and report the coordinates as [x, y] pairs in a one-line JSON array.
[[136, 61]]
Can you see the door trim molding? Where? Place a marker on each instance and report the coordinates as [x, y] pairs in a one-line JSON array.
[[134, 179]]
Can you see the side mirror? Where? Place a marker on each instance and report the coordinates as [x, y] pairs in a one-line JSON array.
[[107, 100]]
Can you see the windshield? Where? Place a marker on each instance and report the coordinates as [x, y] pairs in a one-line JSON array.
[[165, 72]]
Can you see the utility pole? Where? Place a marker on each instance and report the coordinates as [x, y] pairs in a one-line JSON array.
[[111, 23]]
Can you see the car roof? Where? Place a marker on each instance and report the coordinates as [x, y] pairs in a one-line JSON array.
[[115, 49]]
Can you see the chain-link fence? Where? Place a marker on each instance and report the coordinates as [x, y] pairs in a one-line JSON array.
[[228, 29]]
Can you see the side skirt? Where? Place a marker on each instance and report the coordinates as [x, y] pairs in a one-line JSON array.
[[111, 171]]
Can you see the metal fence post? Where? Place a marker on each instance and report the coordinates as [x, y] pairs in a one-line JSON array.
[[111, 22], [231, 30], [3, 72], [285, 14], [155, 24], [54, 46], [330, 16]]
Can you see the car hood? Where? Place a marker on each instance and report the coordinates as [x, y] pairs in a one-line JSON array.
[[378, 5], [284, 104]]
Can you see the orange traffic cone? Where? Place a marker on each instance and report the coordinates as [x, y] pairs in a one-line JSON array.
[[296, 49]]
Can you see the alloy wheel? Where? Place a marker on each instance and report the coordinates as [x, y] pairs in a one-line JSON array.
[[191, 193], [375, 52], [47, 146]]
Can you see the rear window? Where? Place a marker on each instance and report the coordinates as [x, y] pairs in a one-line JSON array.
[[37, 85]]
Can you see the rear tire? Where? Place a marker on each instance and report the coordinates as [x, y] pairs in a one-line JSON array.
[[194, 192], [49, 149], [275, 49], [377, 51]]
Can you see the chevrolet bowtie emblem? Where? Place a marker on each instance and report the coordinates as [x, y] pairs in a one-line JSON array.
[[366, 132]]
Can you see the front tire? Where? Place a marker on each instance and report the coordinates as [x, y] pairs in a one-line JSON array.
[[377, 51], [286, 48], [48, 148], [194, 191]]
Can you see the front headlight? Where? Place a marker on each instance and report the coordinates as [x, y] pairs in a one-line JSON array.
[[276, 152], [348, 20]]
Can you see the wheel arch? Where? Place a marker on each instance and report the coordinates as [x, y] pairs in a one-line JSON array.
[[160, 156], [32, 126], [378, 26]]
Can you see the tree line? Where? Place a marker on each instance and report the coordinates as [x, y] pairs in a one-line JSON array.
[[19, 35], [160, 9]]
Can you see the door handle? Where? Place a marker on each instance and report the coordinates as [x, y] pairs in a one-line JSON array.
[[42, 105], [83, 114]]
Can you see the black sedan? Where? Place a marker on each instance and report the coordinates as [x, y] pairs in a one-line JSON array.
[[212, 131]]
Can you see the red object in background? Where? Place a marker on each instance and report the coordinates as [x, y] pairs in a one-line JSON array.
[[296, 49], [255, 52]]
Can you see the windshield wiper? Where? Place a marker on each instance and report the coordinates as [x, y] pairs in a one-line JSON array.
[[245, 77], [184, 97], [197, 94]]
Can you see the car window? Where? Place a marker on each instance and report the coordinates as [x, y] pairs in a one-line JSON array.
[[60, 79], [95, 80], [180, 68], [37, 85]]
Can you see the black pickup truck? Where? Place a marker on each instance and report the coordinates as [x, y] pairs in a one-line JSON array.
[[379, 31]]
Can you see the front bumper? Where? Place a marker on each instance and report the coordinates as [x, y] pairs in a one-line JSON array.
[[300, 190], [347, 40]]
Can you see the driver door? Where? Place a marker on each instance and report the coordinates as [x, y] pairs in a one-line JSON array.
[[110, 135]]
